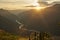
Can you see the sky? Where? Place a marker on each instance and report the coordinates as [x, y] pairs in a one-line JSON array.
[[16, 4]]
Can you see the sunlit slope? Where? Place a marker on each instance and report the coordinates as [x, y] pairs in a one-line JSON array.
[[43, 20]]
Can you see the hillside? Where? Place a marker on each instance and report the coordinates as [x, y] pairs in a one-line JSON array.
[[47, 19], [8, 21]]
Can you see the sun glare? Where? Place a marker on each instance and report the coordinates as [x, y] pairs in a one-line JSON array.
[[37, 8], [36, 4]]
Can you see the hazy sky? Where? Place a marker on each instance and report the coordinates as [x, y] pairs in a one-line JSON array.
[[12, 4]]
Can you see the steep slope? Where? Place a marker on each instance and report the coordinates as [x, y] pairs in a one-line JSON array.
[[8, 15], [8, 21]]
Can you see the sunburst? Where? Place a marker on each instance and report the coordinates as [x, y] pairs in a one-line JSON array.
[[37, 5]]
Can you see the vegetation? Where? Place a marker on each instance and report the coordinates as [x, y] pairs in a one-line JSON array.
[[40, 36], [7, 36]]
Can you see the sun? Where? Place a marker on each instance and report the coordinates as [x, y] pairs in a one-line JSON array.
[[37, 6]]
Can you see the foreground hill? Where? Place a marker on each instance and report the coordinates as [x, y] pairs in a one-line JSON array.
[[47, 19], [7, 36]]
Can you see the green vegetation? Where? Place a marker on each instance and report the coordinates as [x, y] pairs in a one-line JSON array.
[[40, 36], [7, 36]]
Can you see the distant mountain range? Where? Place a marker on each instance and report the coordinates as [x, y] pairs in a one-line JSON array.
[[47, 19], [16, 12]]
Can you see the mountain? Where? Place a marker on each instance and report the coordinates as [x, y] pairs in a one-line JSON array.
[[7, 14], [16, 12], [47, 19], [8, 21]]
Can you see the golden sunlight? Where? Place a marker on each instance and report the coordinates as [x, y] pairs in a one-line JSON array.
[[37, 5], [39, 8]]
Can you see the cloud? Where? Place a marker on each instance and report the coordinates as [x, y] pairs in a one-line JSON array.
[[9, 0], [13, 4]]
